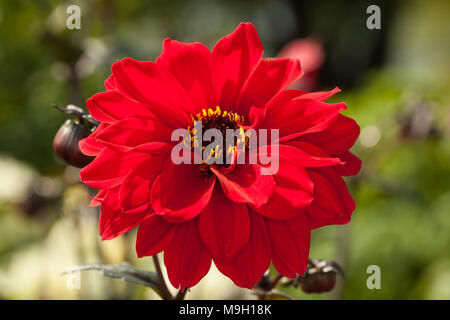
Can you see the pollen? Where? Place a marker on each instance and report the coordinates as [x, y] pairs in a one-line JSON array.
[[211, 117], [216, 118]]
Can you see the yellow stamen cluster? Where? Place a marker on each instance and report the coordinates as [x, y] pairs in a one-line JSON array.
[[232, 116], [220, 120]]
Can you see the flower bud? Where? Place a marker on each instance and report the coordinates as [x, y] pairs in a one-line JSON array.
[[321, 276], [71, 132], [318, 282]]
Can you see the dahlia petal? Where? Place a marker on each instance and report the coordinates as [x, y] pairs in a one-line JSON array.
[[246, 184], [136, 187], [332, 203], [337, 138], [307, 147], [111, 106], [135, 193], [293, 191], [133, 132], [233, 59], [352, 164], [154, 235], [110, 83], [289, 241], [180, 192], [270, 77], [113, 222], [301, 154], [249, 264], [110, 167], [286, 96], [283, 97], [301, 116], [151, 84], [186, 258], [320, 95], [89, 145], [224, 226], [294, 184], [189, 63], [152, 148], [98, 198], [256, 116], [279, 208]]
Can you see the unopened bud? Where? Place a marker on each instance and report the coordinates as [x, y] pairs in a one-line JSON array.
[[71, 132], [318, 282], [320, 277]]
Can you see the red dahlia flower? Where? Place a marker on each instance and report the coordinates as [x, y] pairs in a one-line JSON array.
[[232, 215]]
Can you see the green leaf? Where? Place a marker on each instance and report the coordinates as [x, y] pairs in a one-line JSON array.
[[123, 271]]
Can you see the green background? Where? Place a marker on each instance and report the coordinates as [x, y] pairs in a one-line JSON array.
[[395, 82]]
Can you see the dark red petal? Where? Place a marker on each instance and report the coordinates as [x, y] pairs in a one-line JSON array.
[[233, 59], [181, 192], [280, 208], [110, 83], [98, 198], [302, 154], [133, 132], [189, 63], [294, 184], [337, 138], [249, 265], [246, 184], [151, 84], [186, 258], [113, 222], [290, 245], [301, 116], [332, 203], [89, 145], [110, 167], [153, 148], [136, 188], [256, 116], [285, 96], [294, 191], [154, 235], [352, 164], [111, 106], [224, 226], [319, 158], [270, 77], [320, 95], [135, 193]]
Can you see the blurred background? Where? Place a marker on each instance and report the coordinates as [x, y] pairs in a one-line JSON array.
[[395, 82]]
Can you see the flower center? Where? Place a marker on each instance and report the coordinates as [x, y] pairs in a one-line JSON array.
[[217, 119], [220, 120]]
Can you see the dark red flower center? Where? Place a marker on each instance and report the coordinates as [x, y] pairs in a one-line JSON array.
[[222, 121]]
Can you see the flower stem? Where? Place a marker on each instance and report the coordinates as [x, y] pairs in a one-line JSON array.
[[275, 282], [180, 295], [166, 295], [271, 286]]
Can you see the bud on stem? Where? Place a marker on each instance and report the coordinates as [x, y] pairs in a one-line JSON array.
[[70, 133]]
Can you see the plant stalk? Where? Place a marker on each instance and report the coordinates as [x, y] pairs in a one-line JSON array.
[[166, 295]]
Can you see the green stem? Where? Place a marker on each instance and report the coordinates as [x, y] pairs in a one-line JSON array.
[[166, 295]]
